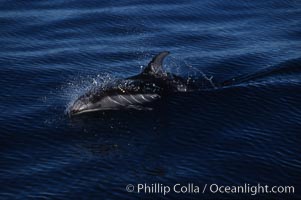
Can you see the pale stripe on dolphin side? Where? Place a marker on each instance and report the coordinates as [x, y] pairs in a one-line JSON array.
[[114, 101], [144, 97], [124, 98], [132, 96]]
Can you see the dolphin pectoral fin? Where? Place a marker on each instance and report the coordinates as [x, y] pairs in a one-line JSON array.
[[155, 66]]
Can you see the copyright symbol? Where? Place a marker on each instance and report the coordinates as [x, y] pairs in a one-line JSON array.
[[130, 188]]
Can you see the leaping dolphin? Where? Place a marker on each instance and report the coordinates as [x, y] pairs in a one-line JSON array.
[[133, 92]]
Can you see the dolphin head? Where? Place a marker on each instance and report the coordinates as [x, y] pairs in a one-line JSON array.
[[78, 107], [100, 99], [81, 105]]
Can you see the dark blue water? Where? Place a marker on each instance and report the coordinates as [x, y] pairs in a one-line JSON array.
[[245, 132]]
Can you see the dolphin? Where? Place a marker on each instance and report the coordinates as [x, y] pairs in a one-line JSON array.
[[133, 92]]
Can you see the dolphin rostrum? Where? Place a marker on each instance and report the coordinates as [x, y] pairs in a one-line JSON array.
[[133, 92]]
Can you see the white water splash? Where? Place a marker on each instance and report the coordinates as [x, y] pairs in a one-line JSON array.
[[181, 66], [80, 85]]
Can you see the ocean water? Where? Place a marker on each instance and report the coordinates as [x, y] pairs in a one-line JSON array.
[[246, 132]]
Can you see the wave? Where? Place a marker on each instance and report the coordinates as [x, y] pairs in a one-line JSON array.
[[286, 68]]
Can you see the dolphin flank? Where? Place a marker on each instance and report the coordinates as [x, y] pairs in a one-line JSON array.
[[133, 92]]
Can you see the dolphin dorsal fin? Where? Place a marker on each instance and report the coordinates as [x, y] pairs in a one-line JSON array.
[[155, 66]]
